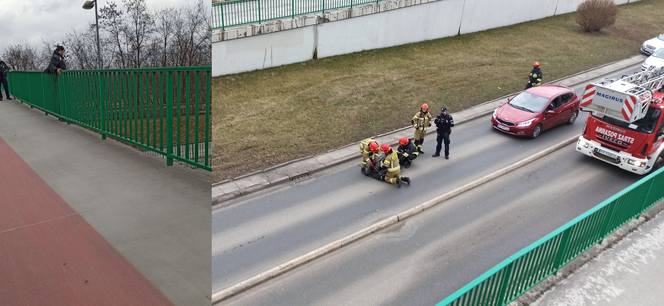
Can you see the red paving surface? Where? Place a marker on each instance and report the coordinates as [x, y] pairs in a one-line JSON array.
[[49, 255]]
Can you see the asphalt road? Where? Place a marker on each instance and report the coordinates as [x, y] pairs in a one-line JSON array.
[[424, 259]]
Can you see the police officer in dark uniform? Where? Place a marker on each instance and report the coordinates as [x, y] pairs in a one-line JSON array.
[[444, 122], [4, 70], [535, 76]]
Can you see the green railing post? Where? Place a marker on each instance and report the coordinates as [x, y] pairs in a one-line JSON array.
[[562, 249], [259, 12], [102, 108], [504, 283], [645, 203], [293, 9], [609, 217], [222, 17], [169, 118]]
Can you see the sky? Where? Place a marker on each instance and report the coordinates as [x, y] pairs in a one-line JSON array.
[[24, 21]]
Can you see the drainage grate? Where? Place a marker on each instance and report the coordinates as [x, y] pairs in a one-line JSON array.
[[299, 178]]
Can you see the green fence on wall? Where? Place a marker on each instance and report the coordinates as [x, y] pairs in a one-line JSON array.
[[519, 273], [165, 110], [239, 12]]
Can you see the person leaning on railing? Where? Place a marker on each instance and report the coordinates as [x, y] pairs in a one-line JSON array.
[[57, 63], [4, 70]]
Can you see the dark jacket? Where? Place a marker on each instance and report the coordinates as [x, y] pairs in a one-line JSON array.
[[4, 69], [409, 148], [536, 77], [444, 123], [57, 61]]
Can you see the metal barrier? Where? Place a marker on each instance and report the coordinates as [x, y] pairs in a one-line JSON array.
[[519, 273], [164, 110], [239, 12]]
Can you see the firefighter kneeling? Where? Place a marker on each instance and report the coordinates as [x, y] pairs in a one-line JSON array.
[[391, 163], [369, 150], [407, 152]]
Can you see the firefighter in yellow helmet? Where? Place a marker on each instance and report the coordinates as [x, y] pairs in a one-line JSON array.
[[421, 121], [369, 150], [391, 163]]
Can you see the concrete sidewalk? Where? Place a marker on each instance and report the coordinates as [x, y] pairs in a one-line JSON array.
[[157, 217], [240, 186], [629, 273]]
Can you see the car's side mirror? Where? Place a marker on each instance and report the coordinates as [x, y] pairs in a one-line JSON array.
[[510, 99]]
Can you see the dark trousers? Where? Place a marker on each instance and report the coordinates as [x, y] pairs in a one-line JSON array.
[[403, 160], [6, 87], [443, 137]]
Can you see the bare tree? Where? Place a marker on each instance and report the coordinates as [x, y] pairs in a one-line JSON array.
[[165, 23], [193, 35], [139, 27], [21, 57], [112, 21]]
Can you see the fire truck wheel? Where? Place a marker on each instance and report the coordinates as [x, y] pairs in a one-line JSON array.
[[659, 162], [537, 130], [572, 117]]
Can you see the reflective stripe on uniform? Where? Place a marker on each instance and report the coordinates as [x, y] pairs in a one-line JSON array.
[[393, 169]]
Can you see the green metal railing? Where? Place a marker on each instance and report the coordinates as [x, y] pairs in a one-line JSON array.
[[165, 110], [519, 273], [239, 12]]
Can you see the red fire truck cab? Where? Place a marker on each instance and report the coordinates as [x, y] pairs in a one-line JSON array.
[[626, 125]]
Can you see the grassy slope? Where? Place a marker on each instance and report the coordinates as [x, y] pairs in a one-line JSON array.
[[270, 116]]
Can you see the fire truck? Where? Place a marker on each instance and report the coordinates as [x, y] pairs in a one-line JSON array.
[[625, 125]]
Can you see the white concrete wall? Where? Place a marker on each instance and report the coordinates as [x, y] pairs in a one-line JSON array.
[[480, 15], [263, 51], [392, 28], [567, 6]]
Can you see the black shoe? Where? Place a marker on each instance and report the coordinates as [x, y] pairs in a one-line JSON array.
[[447, 157], [436, 155], [406, 165], [10, 98], [398, 183], [406, 180], [420, 150]]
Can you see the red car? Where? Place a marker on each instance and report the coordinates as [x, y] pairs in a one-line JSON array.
[[536, 109]]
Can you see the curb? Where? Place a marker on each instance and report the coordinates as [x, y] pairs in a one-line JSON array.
[[607, 243], [366, 231], [227, 190]]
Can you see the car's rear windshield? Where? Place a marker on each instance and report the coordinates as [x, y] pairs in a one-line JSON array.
[[529, 102], [645, 125]]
